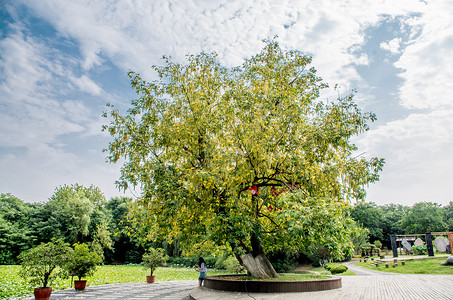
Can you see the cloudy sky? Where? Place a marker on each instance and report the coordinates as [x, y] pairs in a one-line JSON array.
[[62, 61]]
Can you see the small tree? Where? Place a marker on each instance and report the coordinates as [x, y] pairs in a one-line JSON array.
[[83, 261], [40, 265], [154, 258]]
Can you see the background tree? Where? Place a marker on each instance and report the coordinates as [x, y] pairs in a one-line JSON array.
[[246, 157], [75, 214], [15, 233], [391, 223], [369, 216], [448, 216], [424, 217], [125, 249]]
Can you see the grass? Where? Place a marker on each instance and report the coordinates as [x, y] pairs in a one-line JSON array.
[[13, 286], [347, 273], [283, 277], [321, 270], [416, 266]]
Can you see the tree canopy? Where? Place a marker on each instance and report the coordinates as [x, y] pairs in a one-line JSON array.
[[246, 157]]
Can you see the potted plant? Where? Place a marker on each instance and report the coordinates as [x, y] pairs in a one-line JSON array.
[[43, 264], [82, 263], [151, 260]]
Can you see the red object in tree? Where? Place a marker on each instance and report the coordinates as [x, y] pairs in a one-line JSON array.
[[269, 207], [254, 190], [274, 191]]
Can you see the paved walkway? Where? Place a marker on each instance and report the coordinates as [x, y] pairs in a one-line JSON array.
[[379, 287], [161, 290], [367, 284]]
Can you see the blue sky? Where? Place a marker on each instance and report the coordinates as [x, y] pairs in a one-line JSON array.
[[62, 61]]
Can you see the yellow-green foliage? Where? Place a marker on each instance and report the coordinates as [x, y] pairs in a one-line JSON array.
[[231, 155]]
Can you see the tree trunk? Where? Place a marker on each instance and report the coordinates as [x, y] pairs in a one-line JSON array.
[[259, 266]]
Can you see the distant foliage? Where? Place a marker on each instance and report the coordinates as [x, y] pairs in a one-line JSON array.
[[384, 220]]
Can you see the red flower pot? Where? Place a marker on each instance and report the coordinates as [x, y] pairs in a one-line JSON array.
[[79, 285], [150, 279], [42, 293]]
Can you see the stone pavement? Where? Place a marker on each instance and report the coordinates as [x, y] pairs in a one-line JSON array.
[[367, 284], [378, 287], [160, 290]]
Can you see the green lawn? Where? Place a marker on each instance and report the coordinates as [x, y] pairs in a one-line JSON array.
[[321, 270], [419, 266], [12, 285]]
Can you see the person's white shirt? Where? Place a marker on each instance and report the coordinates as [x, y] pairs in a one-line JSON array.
[[203, 267]]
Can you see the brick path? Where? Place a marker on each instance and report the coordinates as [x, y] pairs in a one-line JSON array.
[[372, 287], [367, 284], [161, 290]]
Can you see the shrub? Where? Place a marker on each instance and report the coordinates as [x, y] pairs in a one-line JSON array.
[[232, 265], [189, 262], [83, 261], [210, 261], [335, 268], [42, 265], [378, 244], [338, 269], [419, 250], [318, 254], [329, 266], [154, 258]]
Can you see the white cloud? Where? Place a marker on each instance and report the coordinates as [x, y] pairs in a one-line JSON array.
[[135, 36], [393, 45], [30, 113], [41, 87], [418, 157], [85, 84], [427, 61], [36, 111]]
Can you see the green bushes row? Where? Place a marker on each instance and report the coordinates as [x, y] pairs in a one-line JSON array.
[[228, 263], [335, 268]]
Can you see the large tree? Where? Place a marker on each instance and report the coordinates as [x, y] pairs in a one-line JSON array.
[[246, 157]]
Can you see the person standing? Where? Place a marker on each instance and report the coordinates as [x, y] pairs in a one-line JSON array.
[[202, 268]]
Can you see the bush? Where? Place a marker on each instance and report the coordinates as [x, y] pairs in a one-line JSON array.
[[419, 250], [329, 266], [378, 244], [338, 269], [335, 268], [232, 265], [154, 258], [83, 261], [189, 262], [318, 254], [42, 265], [285, 264], [209, 260]]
